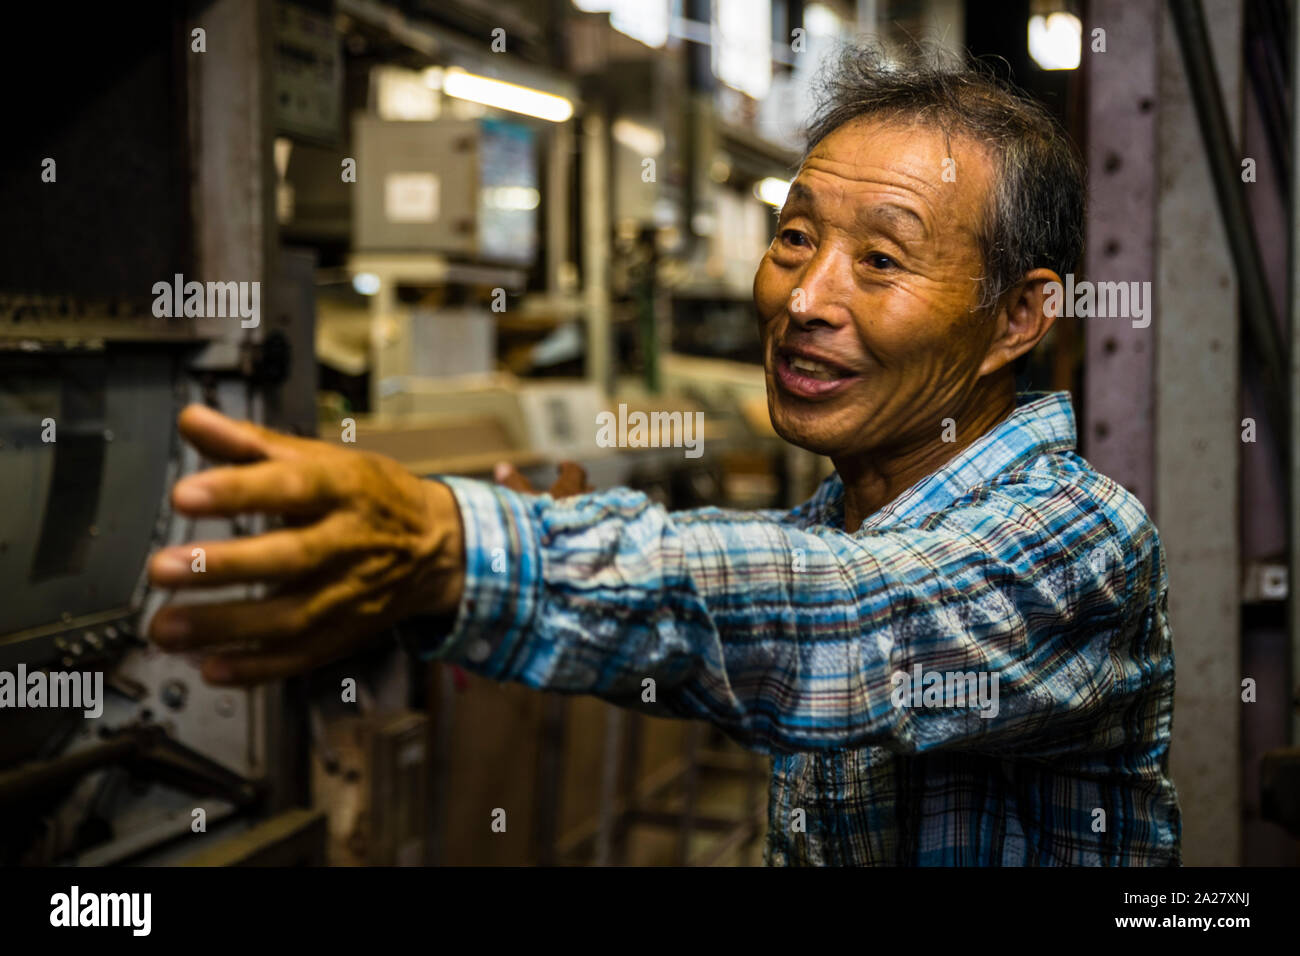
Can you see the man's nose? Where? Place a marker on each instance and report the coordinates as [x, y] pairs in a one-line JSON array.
[[822, 295]]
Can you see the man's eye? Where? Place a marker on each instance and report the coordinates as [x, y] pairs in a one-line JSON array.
[[793, 237], [879, 260]]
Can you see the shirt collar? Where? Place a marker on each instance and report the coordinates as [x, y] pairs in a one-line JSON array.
[[1042, 423]]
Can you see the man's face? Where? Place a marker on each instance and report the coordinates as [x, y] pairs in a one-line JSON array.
[[865, 295]]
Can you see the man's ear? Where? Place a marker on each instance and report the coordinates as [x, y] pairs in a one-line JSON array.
[[1023, 317]]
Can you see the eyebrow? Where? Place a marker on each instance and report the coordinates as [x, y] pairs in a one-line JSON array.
[[892, 213], [799, 192], [895, 215]]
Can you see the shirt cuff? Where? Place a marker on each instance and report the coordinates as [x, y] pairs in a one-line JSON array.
[[503, 580]]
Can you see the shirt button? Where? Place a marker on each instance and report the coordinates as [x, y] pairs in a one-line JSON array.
[[479, 651]]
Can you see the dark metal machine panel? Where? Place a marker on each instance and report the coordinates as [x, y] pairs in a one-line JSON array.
[[85, 443]]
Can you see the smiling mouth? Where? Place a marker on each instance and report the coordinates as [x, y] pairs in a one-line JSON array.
[[818, 370], [809, 378]]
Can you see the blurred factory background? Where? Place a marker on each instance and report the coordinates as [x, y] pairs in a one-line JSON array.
[[477, 224]]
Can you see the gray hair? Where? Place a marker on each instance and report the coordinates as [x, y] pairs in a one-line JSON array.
[[1036, 206]]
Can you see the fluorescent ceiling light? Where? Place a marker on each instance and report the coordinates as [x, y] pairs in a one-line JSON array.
[[505, 96], [1056, 41], [772, 191]]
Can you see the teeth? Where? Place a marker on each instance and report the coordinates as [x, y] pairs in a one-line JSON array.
[[812, 369]]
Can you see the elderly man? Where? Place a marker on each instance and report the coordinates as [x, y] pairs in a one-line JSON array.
[[956, 652]]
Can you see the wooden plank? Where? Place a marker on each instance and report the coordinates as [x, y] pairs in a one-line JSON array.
[[294, 838]]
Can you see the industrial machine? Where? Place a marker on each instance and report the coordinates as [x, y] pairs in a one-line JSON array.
[[95, 363]]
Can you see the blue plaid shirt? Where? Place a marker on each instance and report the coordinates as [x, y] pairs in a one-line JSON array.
[[981, 674]]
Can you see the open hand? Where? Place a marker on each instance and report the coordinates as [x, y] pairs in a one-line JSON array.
[[368, 545]]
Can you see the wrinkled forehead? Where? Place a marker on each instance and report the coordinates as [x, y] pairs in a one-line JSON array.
[[909, 152], [947, 174]]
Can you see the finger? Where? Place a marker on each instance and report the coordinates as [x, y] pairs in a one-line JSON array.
[[296, 488], [508, 475], [274, 556], [236, 669], [580, 476], [572, 480], [221, 438], [271, 620]]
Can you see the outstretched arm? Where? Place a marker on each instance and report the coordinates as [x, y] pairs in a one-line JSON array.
[[788, 638], [802, 639]]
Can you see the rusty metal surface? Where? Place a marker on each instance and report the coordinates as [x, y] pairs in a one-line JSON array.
[[1118, 427]]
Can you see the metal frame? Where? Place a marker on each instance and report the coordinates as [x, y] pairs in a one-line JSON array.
[[1293, 368], [1120, 364], [1197, 450]]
